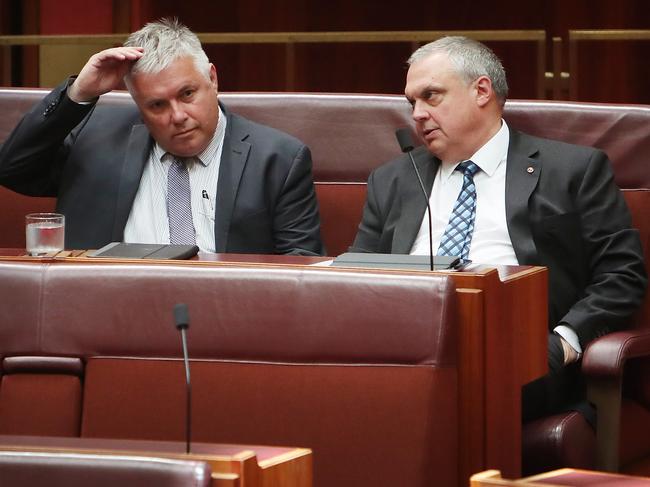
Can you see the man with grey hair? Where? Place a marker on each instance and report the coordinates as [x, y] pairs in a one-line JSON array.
[[499, 196], [179, 168]]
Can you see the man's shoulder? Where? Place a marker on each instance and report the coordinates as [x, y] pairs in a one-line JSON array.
[[552, 146], [559, 159], [112, 116], [401, 163], [118, 109]]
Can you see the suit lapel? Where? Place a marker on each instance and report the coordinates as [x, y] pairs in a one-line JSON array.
[[137, 154], [522, 176], [234, 155], [413, 204]]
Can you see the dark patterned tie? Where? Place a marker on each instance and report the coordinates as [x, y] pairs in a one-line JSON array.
[[458, 234], [179, 204]]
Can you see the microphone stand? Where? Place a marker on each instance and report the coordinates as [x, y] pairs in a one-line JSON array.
[[181, 317], [406, 144]]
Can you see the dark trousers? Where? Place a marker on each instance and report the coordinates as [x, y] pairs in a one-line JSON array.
[[561, 390]]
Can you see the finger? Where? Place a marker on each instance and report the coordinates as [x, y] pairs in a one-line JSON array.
[[132, 52], [570, 355], [119, 54]]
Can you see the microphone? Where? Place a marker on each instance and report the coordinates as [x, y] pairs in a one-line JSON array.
[[406, 144], [182, 321]]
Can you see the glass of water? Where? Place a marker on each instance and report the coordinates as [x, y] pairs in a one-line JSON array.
[[45, 232]]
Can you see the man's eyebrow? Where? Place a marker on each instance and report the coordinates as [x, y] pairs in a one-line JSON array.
[[421, 92], [151, 101], [187, 86], [429, 88]]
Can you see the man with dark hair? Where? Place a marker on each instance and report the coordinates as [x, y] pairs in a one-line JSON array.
[[180, 168], [499, 196]]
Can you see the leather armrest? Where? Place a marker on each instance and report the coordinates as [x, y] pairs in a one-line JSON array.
[[606, 356], [603, 365]]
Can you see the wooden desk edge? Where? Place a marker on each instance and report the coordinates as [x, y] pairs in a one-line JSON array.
[[598, 476], [284, 457], [80, 257], [212, 459]]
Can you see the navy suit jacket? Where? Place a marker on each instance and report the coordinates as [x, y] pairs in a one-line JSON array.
[[563, 211], [91, 157]]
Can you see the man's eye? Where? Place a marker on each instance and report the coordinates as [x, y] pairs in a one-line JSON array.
[[433, 98], [188, 93]]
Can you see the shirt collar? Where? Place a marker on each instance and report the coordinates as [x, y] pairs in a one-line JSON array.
[[489, 156], [208, 153]]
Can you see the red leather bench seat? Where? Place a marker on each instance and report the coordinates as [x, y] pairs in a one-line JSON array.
[[359, 368]]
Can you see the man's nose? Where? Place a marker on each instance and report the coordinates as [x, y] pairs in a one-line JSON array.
[[419, 111], [178, 113]]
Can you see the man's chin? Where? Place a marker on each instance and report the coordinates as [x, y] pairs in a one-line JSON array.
[[185, 150], [435, 148], [185, 153]]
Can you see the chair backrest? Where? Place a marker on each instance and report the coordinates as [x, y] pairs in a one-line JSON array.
[[35, 469], [40, 395], [322, 359], [350, 135], [639, 203]]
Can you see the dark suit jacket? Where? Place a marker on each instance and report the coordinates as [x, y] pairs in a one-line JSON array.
[[563, 210], [92, 158]]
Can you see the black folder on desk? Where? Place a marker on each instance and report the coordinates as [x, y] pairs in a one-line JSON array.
[[395, 261], [122, 250]]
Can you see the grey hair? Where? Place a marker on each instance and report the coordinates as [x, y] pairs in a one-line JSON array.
[[163, 42], [471, 58]]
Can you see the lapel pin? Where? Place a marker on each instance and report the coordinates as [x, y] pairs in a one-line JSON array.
[[530, 170]]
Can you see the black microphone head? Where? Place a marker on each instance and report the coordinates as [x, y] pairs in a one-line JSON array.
[[404, 139], [181, 316]]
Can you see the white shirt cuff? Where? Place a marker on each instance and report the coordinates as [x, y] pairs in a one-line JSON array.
[[569, 336]]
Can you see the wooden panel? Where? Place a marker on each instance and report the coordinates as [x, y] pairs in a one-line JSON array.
[[56, 63], [512, 343], [517, 327], [471, 380], [367, 68], [620, 68], [76, 17], [28, 55]]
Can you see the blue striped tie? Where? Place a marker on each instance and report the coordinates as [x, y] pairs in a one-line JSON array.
[[179, 204], [458, 234]]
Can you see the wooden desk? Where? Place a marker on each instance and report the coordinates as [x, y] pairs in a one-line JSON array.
[[503, 329], [566, 477], [232, 465], [577, 478]]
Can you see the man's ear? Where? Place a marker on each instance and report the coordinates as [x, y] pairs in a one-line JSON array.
[[213, 78], [484, 91]]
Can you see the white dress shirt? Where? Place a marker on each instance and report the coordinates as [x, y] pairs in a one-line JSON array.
[[491, 242], [148, 221]]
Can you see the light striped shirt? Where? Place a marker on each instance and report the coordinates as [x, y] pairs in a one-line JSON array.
[[148, 221]]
